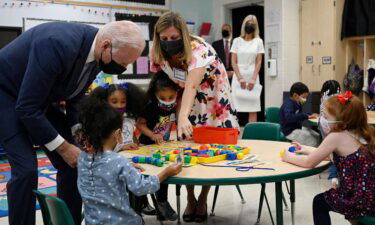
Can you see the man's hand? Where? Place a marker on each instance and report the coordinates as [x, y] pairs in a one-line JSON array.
[[69, 153]]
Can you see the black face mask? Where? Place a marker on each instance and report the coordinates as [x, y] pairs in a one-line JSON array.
[[172, 47], [225, 33], [112, 67], [249, 28]]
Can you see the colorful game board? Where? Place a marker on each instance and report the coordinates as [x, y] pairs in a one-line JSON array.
[[163, 149], [188, 153]]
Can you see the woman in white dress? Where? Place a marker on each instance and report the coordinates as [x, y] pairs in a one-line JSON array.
[[247, 56]]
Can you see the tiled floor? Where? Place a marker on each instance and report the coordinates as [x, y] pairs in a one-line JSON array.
[[230, 211]]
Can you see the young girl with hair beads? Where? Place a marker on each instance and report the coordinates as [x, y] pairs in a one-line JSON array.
[[104, 176], [129, 100], [351, 141]]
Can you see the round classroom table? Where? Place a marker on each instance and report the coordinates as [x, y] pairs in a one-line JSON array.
[[266, 151], [370, 119]]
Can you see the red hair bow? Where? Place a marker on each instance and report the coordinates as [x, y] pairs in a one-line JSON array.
[[344, 98]]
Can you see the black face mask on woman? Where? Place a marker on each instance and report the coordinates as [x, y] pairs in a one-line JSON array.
[[172, 47], [112, 67], [249, 28]]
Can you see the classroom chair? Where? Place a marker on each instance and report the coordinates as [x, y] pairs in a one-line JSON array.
[[267, 131], [54, 210], [366, 220], [273, 116]]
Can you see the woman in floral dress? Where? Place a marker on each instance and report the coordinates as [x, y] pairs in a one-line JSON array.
[[206, 98]]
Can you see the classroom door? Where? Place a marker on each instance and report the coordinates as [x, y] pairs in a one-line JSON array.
[[238, 15], [326, 41], [308, 41]]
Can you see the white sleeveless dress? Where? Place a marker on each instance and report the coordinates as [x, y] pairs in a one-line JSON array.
[[247, 52]]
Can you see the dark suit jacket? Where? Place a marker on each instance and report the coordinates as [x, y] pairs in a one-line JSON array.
[[39, 67], [219, 48]]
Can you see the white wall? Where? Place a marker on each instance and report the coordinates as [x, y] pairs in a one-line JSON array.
[[288, 51], [282, 15], [12, 12], [197, 11]]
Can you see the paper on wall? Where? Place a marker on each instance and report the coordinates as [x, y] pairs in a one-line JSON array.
[[145, 30], [129, 69]]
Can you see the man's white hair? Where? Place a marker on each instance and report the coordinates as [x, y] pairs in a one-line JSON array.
[[123, 34]]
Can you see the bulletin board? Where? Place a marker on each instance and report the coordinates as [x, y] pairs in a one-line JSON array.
[[29, 23], [153, 2], [141, 68]]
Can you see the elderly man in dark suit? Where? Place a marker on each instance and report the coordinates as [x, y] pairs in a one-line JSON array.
[[46, 64], [222, 48]]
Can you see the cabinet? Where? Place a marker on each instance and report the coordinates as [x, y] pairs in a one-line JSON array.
[[322, 53], [360, 50]]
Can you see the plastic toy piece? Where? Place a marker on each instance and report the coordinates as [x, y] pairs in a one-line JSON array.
[[142, 159], [135, 159], [240, 156], [156, 155], [176, 152], [231, 156], [187, 159], [292, 149], [172, 157], [194, 160], [148, 160]]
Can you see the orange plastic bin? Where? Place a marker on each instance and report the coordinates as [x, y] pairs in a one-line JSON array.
[[214, 135]]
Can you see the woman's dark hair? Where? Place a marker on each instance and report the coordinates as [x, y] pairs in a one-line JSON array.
[[330, 87], [159, 81], [298, 88], [135, 97], [99, 120]]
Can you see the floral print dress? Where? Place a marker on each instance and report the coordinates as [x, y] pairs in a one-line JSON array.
[[213, 104]]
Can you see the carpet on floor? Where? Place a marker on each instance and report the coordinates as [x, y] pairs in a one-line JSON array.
[[46, 179]]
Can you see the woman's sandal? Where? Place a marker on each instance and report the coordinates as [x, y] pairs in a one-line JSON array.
[[188, 218]]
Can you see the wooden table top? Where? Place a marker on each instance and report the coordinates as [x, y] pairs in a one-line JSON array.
[[266, 151]]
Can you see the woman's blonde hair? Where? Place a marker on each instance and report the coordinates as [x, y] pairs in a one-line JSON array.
[[165, 21], [353, 117], [254, 21]]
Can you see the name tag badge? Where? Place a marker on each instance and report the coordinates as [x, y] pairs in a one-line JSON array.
[[179, 74]]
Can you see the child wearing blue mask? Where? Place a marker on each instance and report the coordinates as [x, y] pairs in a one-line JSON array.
[[155, 124], [129, 100]]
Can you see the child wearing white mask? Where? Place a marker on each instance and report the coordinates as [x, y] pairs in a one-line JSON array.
[[329, 88], [155, 124], [292, 117], [350, 142]]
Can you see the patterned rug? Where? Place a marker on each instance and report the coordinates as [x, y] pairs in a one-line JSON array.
[[46, 181]]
